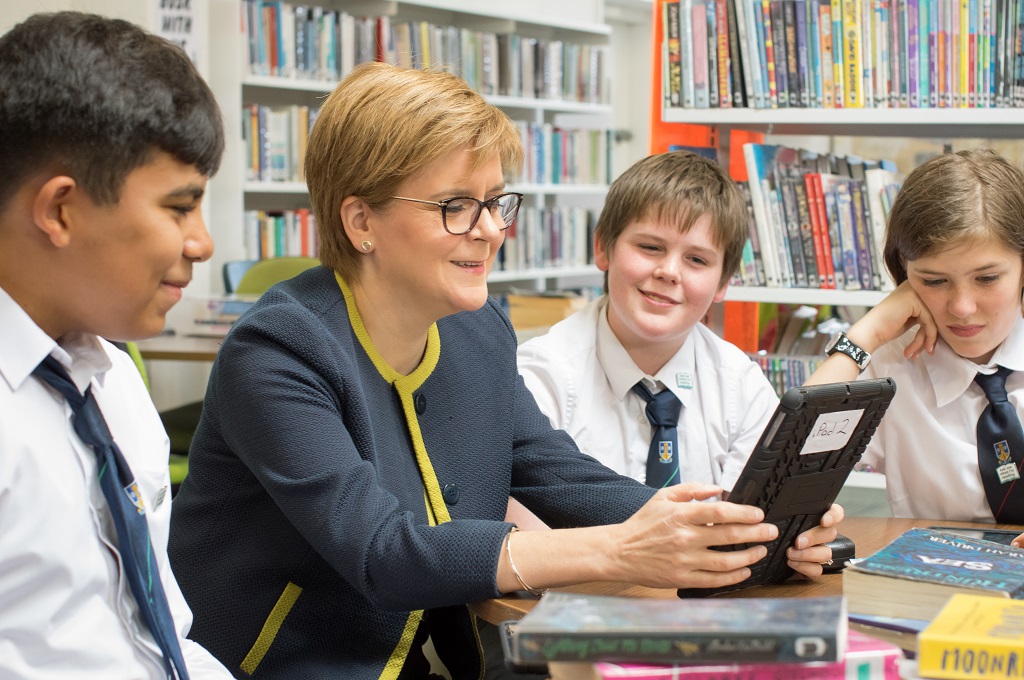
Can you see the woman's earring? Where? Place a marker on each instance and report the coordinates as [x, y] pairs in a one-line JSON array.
[[367, 246]]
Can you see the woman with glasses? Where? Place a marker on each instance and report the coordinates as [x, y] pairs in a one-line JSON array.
[[365, 423]]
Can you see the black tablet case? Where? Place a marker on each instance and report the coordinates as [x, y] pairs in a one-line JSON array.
[[795, 490]]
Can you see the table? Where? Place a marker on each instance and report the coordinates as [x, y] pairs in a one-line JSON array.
[[180, 348], [869, 534]]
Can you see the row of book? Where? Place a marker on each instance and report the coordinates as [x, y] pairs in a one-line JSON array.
[[274, 138], [300, 41], [554, 236], [843, 53], [555, 155], [786, 372], [283, 233], [816, 220]]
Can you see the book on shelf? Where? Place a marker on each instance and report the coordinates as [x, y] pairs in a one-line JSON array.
[[974, 637], [577, 627], [897, 631], [915, 575], [866, 658]]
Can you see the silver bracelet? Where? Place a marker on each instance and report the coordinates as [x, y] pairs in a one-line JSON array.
[[508, 551]]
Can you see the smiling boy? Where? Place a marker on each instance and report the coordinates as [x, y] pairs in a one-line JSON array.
[[669, 237], [108, 136]]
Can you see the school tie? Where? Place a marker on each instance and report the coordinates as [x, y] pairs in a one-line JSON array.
[[118, 484], [1000, 450], [663, 456]]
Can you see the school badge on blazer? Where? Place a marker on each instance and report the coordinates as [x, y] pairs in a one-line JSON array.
[[132, 491]]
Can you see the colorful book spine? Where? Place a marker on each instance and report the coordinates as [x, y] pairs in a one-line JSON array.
[[767, 33], [852, 65], [711, 39], [963, 52], [862, 236], [883, 75], [913, 54], [674, 72], [700, 54], [848, 240], [815, 52], [730, 90], [972, 53], [782, 84], [795, 79], [803, 50], [926, 63], [828, 87], [838, 53], [688, 52], [867, 41], [746, 42]]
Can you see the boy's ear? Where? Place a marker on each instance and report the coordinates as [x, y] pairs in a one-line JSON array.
[[49, 209], [601, 258], [355, 216], [720, 294]]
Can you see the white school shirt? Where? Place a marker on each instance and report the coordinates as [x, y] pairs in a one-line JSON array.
[[65, 609], [927, 442], [582, 378]]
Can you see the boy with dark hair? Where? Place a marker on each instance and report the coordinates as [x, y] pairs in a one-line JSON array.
[[108, 136]]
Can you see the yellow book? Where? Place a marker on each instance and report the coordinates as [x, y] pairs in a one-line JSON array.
[[974, 636], [965, 55], [853, 74]]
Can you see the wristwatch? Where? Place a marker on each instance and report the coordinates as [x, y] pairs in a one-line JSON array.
[[842, 344]]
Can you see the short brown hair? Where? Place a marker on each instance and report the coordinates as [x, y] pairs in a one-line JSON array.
[[680, 187], [953, 198], [383, 124]]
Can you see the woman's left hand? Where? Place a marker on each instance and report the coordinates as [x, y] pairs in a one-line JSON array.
[[808, 552]]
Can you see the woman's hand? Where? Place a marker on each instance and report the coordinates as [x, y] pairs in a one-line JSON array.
[[808, 553], [667, 543]]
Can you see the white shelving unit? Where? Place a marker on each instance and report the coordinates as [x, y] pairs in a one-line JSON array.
[[578, 21], [808, 296], [940, 123]]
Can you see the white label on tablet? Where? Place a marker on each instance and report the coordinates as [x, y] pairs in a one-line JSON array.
[[832, 431]]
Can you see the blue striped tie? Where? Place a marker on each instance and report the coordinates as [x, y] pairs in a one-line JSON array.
[[663, 456], [129, 516]]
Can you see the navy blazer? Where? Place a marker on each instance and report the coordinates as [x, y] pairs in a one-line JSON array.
[[301, 537]]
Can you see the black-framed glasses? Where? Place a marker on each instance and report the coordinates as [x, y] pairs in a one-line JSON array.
[[460, 214]]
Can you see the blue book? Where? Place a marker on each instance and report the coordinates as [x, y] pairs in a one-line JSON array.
[[917, 573]]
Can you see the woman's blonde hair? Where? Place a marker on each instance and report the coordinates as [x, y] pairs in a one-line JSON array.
[[955, 198], [381, 125]]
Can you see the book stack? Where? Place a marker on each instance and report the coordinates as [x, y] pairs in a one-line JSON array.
[[591, 637], [915, 575]]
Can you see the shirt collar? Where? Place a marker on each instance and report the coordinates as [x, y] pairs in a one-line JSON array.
[[952, 374], [23, 345], [622, 371]]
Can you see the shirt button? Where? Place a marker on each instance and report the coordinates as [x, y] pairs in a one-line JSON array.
[[642, 419], [451, 494], [421, 403]]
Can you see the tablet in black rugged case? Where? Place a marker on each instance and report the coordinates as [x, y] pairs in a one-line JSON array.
[[805, 454]]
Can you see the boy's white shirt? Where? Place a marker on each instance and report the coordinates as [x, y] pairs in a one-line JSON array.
[[582, 379], [927, 443], [64, 609]]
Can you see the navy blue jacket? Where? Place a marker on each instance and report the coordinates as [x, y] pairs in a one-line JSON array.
[[301, 537]]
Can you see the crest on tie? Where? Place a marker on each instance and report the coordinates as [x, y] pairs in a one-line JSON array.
[[665, 452], [1006, 469], [1002, 451], [132, 491]]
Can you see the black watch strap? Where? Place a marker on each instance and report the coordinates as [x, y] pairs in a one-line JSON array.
[[841, 344]]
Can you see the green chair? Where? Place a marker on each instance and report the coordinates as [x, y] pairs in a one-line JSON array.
[[263, 274]]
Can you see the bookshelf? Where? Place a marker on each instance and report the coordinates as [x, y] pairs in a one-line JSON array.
[[234, 191]]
